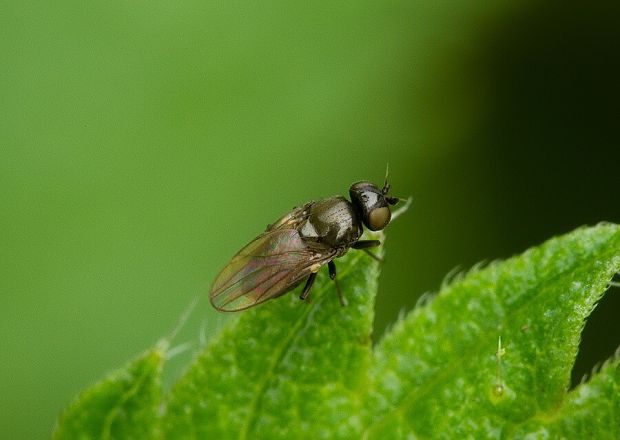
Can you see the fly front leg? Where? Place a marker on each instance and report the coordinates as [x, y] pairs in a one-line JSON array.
[[332, 274], [308, 286], [365, 244]]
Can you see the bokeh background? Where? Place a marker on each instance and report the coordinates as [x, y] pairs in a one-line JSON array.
[[142, 143]]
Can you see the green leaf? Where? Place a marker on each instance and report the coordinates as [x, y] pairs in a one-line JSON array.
[[122, 406], [592, 410], [437, 374], [285, 367], [488, 357]]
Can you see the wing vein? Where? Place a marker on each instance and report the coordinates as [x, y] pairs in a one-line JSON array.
[[269, 266]]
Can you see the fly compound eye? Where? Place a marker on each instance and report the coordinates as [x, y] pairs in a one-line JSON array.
[[379, 218]]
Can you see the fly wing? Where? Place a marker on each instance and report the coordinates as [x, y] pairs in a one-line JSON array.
[[272, 264], [291, 219]]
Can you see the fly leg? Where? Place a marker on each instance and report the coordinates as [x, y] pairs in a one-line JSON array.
[[308, 286], [332, 274], [365, 244]]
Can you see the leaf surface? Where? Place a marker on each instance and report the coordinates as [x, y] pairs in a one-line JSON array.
[[122, 406], [489, 356], [437, 374]]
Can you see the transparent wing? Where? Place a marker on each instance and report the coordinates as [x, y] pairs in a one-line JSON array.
[[272, 264], [292, 219]]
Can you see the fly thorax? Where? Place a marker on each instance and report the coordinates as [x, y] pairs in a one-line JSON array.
[[332, 221], [307, 229]]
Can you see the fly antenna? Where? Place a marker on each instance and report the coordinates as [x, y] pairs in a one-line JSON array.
[[386, 185]]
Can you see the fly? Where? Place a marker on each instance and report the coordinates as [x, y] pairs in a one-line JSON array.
[[296, 246]]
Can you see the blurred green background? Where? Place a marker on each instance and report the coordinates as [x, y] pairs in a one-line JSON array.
[[143, 143]]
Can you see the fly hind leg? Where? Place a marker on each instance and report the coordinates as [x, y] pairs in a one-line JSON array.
[[332, 274], [308, 286]]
